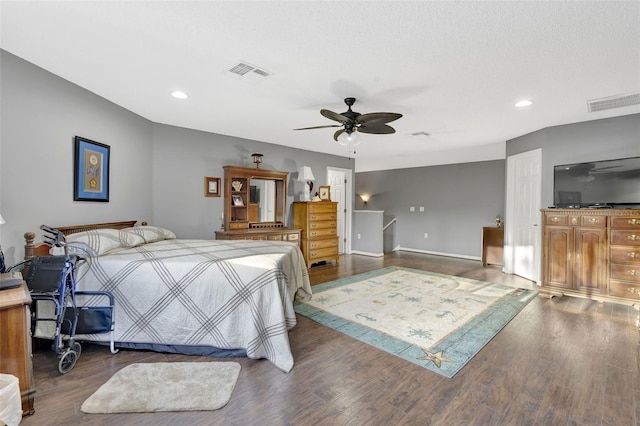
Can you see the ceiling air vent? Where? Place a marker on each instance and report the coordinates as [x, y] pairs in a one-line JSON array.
[[611, 102], [244, 69]]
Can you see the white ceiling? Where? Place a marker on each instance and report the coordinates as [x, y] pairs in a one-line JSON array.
[[453, 69]]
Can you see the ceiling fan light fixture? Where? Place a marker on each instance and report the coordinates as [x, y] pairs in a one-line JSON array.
[[349, 138]]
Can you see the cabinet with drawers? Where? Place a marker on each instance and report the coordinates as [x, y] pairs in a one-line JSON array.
[[624, 256], [592, 253], [318, 221]]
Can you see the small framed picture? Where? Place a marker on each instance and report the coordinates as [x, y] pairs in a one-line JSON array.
[[211, 186], [237, 200], [324, 192]]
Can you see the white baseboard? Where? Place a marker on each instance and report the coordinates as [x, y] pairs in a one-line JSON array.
[[365, 253], [437, 253]]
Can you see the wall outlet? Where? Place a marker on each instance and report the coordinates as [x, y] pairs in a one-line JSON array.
[[426, 235], [358, 236], [412, 209]]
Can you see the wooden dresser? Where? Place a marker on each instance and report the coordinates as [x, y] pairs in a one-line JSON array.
[[318, 221], [593, 253], [15, 342], [271, 234]]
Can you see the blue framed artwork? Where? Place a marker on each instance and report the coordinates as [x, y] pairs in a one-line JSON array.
[[91, 171]]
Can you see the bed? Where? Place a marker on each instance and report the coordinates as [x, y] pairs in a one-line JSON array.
[[198, 297]]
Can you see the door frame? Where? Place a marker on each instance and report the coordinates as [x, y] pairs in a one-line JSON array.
[[348, 201]]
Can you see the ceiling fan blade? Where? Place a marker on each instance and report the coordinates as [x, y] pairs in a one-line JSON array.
[[338, 133], [319, 127], [377, 129], [334, 116], [378, 117]]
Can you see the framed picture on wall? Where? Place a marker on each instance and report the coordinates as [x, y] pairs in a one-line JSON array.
[[91, 170], [324, 192], [211, 186]]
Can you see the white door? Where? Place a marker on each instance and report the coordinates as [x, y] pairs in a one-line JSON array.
[[340, 182], [522, 221]]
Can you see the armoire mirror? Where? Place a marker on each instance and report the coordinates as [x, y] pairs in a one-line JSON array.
[[262, 195]]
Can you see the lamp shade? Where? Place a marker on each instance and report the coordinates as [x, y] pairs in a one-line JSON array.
[[305, 174]]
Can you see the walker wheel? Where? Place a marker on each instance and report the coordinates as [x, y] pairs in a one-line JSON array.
[[77, 348], [67, 361]]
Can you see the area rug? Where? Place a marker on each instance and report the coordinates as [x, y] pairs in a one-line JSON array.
[[165, 386], [437, 321]]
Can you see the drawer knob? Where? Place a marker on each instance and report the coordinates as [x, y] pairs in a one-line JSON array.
[[594, 220], [633, 255], [633, 273], [555, 219], [633, 237], [634, 221]]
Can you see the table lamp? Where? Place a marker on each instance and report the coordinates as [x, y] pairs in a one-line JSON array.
[[306, 175]]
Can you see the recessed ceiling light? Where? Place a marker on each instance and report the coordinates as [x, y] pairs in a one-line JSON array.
[[178, 94], [524, 103]]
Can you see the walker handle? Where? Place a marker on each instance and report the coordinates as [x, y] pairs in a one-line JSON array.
[[56, 238]]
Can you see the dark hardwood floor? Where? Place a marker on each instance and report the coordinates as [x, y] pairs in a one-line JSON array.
[[564, 361]]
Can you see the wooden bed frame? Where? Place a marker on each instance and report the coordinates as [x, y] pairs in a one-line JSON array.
[[31, 250]]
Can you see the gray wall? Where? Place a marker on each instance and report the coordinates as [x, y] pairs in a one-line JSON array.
[[183, 157], [368, 232], [458, 201], [604, 139], [157, 171], [40, 115]]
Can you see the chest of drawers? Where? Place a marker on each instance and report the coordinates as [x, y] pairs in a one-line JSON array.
[[624, 256], [318, 221]]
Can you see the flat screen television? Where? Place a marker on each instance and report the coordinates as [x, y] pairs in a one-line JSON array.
[[608, 183]]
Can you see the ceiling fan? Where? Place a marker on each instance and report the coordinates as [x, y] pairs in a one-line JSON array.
[[351, 121]]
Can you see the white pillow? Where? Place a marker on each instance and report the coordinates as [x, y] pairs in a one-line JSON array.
[[151, 234], [101, 241]]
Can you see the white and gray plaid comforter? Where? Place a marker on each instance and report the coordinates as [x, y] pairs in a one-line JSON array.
[[225, 294]]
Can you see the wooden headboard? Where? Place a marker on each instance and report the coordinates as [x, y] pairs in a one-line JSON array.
[[31, 250]]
